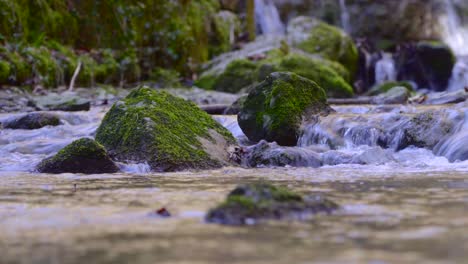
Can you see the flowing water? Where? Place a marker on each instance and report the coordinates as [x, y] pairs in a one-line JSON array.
[[268, 18], [407, 206]]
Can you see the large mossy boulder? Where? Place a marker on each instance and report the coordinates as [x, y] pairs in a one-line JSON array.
[[251, 203], [317, 37], [81, 156], [166, 132], [428, 64], [275, 109], [32, 121]]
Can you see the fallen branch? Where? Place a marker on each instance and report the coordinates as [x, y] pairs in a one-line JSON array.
[[75, 74]]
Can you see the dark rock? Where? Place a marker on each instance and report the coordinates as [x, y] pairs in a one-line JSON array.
[[81, 156], [67, 101], [276, 108], [168, 133], [33, 121], [235, 108], [250, 203], [270, 154], [428, 64]]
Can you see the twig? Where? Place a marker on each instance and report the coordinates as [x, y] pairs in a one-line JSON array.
[[75, 74]]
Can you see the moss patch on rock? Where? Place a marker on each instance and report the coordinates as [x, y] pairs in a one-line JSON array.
[[317, 37], [238, 74], [81, 156], [275, 108], [387, 86], [168, 133], [251, 203]]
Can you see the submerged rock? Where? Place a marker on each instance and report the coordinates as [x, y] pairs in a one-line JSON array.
[[275, 109], [81, 156], [270, 154], [168, 133], [250, 203], [32, 121]]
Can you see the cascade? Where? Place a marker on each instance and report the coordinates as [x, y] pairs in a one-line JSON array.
[[385, 69], [267, 17], [345, 24]]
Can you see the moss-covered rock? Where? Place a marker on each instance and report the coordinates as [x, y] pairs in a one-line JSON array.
[[81, 156], [275, 109], [251, 203], [319, 72], [387, 86], [168, 133], [237, 75], [330, 42], [32, 121]]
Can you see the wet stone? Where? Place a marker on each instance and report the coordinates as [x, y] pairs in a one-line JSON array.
[[252, 203], [32, 121]]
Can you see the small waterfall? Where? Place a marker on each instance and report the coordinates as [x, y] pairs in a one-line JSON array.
[[454, 34], [345, 24], [385, 69], [268, 18], [459, 79]]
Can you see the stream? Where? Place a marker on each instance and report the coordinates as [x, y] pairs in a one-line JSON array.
[[406, 206]]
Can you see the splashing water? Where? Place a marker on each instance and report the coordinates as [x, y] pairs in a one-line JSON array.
[[268, 19], [454, 33]]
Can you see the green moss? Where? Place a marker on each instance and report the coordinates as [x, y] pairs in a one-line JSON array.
[[387, 86], [260, 195], [274, 109], [5, 70], [81, 156], [237, 75], [85, 147], [332, 44], [20, 69], [206, 81], [44, 67], [160, 129]]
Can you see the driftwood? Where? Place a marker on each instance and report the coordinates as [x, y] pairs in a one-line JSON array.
[[75, 74]]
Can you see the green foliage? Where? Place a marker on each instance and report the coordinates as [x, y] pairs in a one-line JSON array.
[[157, 33], [165, 78]]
